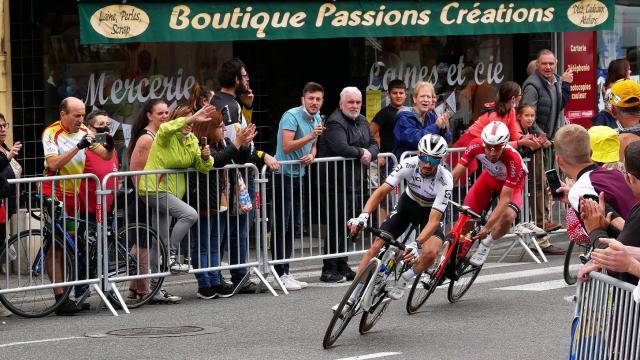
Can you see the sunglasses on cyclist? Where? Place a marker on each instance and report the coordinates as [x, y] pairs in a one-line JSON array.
[[494, 148], [428, 159]]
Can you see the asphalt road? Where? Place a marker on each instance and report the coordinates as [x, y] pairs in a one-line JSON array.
[[516, 310]]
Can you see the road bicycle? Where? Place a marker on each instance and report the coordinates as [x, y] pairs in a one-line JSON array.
[[56, 233], [577, 253], [368, 292], [453, 263]]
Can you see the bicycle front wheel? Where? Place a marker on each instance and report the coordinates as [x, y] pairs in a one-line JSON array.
[[426, 283], [341, 316], [28, 271], [129, 254], [465, 275]]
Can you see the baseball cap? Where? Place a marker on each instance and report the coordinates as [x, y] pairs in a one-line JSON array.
[[625, 93], [605, 144]]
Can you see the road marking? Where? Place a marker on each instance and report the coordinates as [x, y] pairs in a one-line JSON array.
[[539, 286], [41, 341], [521, 274], [371, 356]]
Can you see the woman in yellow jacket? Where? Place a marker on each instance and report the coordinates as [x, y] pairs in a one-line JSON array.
[[174, 147]]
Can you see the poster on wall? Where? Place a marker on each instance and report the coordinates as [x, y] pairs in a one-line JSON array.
[[579, 56]]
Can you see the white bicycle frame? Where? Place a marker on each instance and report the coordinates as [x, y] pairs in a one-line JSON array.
[[377, 280]]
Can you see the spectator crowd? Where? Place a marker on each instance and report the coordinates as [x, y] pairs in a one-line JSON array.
[[216, 209]]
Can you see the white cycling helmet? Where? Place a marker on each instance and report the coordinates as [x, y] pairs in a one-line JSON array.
[[495, 133], [433, 145]]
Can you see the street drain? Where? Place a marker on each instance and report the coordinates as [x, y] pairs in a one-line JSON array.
[[167, 331]]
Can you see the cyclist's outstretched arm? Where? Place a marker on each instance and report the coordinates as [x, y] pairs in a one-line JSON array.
[[458, 171], [432, 225], [376, 198]]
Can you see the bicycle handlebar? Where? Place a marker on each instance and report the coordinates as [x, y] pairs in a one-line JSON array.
[[467, 211], [385, 236]]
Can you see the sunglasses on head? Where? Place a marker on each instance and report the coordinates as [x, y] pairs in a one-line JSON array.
[[428, 159], [495, 148]]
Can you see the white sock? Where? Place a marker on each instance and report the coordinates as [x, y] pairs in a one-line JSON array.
[[488, 241], [356, 292], [407, 275]]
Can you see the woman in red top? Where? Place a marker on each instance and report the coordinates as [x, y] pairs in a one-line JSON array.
[[97, 122], [502, 110]]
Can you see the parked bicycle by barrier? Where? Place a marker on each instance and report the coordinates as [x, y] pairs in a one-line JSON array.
[[453, 263], [368, 292], [32, 246], [577, 254]]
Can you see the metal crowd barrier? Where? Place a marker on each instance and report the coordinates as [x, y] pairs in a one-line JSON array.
[[144, 230], [606, 323], [331, 191], [50, 246]]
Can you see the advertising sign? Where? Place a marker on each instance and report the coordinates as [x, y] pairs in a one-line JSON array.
[[580, 56]]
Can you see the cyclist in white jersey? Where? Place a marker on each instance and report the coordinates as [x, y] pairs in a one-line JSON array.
[[423, 203]]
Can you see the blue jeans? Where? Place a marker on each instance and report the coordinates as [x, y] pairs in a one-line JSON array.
[[237, 234], [210, 231], [287, 205]]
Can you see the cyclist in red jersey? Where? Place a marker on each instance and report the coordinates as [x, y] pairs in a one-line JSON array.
[[504, 173]]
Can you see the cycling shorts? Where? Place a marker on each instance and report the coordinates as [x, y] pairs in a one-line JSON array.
[[408, 212], [486, 187]]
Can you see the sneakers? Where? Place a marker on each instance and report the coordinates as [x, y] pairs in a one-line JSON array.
[[223, 290], [347, 307], [250, 288], [349, 275], [67, 308], [553, 250], [176, 267], [551, 226], [4, 312], [165, 297], [396, 292], [206, 293], [332, 277], [289, 282], [528, 228], [480, 255], [302, 284]]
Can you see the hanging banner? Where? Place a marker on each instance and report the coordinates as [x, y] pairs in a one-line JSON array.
[[579, 56], [114, 22]]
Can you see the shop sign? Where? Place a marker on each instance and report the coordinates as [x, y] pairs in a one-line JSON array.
[[114, 22], [579, 56]]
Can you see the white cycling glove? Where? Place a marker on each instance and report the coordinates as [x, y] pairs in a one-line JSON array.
[[359, 222], [412, 249]]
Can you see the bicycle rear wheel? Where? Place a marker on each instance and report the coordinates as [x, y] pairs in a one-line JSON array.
[[465, 273], [28, 270], [340, 320], [426, 283], [571, 259], [130, 255]]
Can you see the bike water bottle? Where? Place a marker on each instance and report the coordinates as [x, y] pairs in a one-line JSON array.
[[465, 244]]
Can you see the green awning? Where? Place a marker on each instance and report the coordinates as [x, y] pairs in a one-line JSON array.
[[114, 22]]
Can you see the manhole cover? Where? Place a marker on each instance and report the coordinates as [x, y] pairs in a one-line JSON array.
[[157, 331]]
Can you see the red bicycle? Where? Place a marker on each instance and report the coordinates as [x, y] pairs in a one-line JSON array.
[[456, 268]]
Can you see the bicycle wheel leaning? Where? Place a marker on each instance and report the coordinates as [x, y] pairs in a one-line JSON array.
[[465, 274], [572, 261], [342, 317], [426, 283], [29, 270], [129, 255]]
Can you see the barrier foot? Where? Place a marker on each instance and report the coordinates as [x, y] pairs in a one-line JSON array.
[[114, 288], [278, 280], [539, 250], [263, 281], [518, 240], [104, 299]]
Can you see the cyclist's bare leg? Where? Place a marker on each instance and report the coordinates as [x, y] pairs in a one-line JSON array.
[[430, 249], [52, 263], [504, 224], [370, 254]]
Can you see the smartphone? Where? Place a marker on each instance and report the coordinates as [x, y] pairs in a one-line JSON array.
[[100, 138], [554, 183], [203, 141]]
